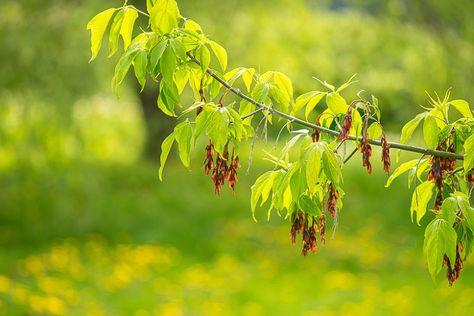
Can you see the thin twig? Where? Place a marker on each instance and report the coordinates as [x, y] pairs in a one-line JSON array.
[[350, 156], [375, 142], [252, 113]]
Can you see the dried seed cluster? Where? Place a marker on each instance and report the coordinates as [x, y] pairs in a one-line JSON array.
[[309, 226], [453, 274], [439, 168], [332, 200], [366, 150], [301, 224], [347, 125], [385, 154], [222, 169]]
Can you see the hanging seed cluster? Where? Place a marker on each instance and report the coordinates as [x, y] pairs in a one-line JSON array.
[[385, 153], [309, 226], [366, 150], [303, 223], [223, 168], [439, 169], [344, 134], [332, 200], [453, 274]]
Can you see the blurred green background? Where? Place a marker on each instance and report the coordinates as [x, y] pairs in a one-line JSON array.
[[86, 228]]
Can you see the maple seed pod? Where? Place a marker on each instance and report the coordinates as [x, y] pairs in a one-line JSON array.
[[332, 200], [231, 174], [347, 125], [385, 154], [322, 228], [300, 223], [209, 161], [366, 150], [315, 136], [470, 177]]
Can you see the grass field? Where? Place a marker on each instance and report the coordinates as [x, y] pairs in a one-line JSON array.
[[113, 240]]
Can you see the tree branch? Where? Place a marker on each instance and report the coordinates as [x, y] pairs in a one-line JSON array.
[[262, 106]]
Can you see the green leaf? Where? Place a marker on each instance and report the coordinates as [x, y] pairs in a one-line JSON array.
[[410, 127], [356, 128], [155, 55], [168, 65], [164, 16], [97, 25], [303, 99], [347, 84], [178, 48], [402, 169], [220, 53], [181, 78], [298, 182], [468, 213], [167, 99], [149, 5], [440, 239], [449, 209], [324, 83], [330, 166], [309, 206], [122, 67], [374, 131], [217, 128], [140, 64], [463, 108], [126, 30], [201, 122], [469, 154], [312, 103], [257, 188], [260, 92], [192, 25], [204, 57], [165, 150], [279, 97], [336, 103], [284, 84], [289, 145], [313, 165], [115, 32], [183, 136], [247, 77], [420, 199], [430, 132]]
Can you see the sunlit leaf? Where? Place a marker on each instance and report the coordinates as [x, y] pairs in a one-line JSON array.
[[420, 199], [469, 153], [402, 169], [463, 108], [165, 150], [97, 25], [115, 32], [126, 30], [336, 103], [140, 65], [440, 239], [430, 131], [409, 128], [220, 53], [164, 16], [183, 136]]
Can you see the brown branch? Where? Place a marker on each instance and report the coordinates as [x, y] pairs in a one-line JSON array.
[[376, 142]]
